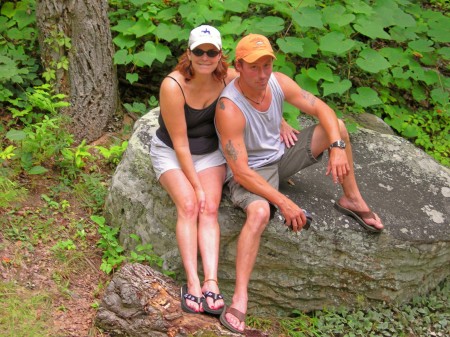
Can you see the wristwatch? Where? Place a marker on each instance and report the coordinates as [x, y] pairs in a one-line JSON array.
[[339, 143]]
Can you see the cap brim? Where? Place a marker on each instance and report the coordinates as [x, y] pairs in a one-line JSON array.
[[198, 43], [257, 54]]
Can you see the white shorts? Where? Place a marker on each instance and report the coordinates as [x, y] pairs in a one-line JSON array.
[[164, 158]]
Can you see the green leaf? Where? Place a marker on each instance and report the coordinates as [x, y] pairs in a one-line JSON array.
[[337, 15], [309, 47], [440, 30], [24, 18], [285, 66], [233, 26], [431, 77], [421, 45], [144, 58], [142, 27], [418, 92], [16, 135], [168, 32], [335, 42], [270, 25], [372, 61], [358, 6], [398, 72], [37, 170], [8, 10], [124, 42], [237, 6], [132, 77], [306, 82], [440, 96], [308, 17], [371, 28], [444, 52], [336, 87], [366, 97], [290, 45], [162, 52], [123, 26], [395, 56], [387, 13], [410, 131], [290, 114], [322, 71], [401, 34], [166, 14], [122, 57], [8, 69], [135, 237]]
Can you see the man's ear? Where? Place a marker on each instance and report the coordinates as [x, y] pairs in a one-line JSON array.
[[238, 66]]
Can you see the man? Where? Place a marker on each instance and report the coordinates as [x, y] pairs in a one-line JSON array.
[[249, 123]]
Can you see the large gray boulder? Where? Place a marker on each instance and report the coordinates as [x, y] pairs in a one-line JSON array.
[[335, 262]]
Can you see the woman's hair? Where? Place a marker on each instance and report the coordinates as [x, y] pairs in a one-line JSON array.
[[184, 66]]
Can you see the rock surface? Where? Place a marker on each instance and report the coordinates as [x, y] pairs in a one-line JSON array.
[[335, 262]]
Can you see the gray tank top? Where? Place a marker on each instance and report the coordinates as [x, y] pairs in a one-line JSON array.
[[262, 129]]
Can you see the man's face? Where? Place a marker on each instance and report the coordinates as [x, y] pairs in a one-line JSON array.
[[256, 74]]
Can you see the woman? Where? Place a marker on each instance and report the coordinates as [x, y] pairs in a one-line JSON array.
[[188, 163]]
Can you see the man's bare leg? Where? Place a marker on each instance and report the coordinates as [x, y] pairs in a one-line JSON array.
[[258, 213], [352, 198]]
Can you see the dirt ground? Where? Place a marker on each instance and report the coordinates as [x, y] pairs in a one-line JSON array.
[[73, 282], [69, 277]]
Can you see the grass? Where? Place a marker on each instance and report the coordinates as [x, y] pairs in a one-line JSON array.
[[25, 312]]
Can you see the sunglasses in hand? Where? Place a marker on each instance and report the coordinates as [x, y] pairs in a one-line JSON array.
[[211, 53]]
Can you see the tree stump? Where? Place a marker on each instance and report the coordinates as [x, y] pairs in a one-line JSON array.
[[140, 301]]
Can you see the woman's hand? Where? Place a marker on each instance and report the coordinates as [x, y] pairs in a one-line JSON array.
[[288, 134], [201, 199]]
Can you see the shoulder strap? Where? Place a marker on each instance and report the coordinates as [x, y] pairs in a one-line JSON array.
[[178, 85]]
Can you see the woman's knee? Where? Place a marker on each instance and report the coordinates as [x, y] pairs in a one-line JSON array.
[[188, 208], [211, 209]]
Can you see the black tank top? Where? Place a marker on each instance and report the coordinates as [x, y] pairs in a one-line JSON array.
[[201, 131]]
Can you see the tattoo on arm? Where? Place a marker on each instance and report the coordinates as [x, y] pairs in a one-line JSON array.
[[221, 105], [230, 151], [310, 98]]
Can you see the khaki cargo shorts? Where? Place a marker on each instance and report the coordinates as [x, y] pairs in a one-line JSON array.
[[293, 160]]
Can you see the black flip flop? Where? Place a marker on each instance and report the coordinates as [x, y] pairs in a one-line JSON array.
[[236, 313], [358, 216], [186, 296], [215, 297]]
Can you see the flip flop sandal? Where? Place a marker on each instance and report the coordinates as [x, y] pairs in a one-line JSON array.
[[215, 297], [358, 216], [236, 313], [186, 296]]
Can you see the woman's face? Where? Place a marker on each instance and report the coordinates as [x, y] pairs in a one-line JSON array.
[[204, 58]]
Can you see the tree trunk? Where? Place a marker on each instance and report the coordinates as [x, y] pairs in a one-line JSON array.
[[91, 80]]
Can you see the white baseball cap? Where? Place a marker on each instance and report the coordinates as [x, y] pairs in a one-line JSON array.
[[205, 34]]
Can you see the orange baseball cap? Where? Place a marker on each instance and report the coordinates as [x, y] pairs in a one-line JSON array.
[[252, 47]]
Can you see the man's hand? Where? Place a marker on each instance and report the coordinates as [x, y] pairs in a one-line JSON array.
[[288, 134], [294, 216], [338, 165]]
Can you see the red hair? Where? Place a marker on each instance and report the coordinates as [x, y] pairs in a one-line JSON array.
[[184, 66]]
